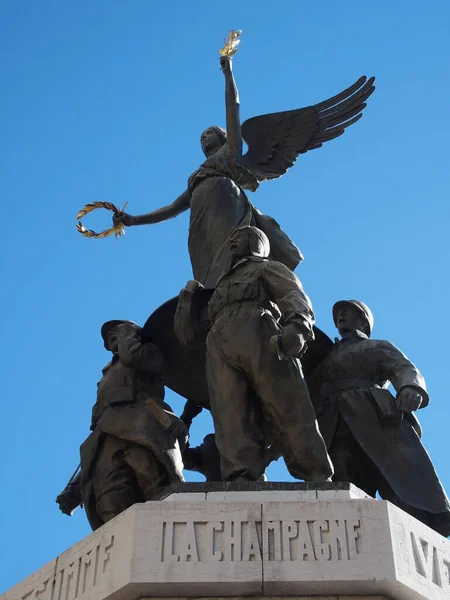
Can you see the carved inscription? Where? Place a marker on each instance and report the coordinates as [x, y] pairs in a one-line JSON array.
[[430, 561], [43, 591], [246, 541], [77, 577]]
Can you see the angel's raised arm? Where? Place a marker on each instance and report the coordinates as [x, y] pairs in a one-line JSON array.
[[234, 137]]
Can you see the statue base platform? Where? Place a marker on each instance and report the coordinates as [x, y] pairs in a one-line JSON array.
[[265, 540]]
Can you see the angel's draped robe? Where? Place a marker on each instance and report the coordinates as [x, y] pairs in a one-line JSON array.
[[219, 205]]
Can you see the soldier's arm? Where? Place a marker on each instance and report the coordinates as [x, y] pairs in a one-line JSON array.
[[286, 291], [400, 371], [136, 355]]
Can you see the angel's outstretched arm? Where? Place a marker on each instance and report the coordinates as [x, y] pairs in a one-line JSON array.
[[178, 206], [234, 137]]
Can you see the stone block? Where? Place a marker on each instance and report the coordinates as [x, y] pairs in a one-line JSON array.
[[304, 491], [250, 545]]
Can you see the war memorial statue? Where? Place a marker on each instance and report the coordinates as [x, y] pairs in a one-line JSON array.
[[240, 340]]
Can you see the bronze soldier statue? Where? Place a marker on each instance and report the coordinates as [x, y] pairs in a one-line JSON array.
[[134, 448], [253, 371], [373, 438]]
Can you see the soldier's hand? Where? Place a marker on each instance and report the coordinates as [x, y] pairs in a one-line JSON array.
[[190, 411], [288, 344], [126, 327], [409, 399], [68, 500], [193, 286], [292, 342]]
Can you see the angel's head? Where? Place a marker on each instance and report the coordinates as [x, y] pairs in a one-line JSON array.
[[212, 140]]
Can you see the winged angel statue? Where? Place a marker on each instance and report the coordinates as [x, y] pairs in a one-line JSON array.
[[216, 191]]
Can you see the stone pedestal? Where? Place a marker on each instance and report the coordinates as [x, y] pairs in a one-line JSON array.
[[261, 540]]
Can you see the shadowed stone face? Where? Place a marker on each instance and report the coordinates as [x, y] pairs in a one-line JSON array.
[[211, 141], [348, 318]]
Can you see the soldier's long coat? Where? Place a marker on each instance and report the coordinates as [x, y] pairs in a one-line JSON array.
[[358, 363]]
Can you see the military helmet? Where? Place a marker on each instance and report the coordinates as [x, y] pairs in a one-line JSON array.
[[106, 328], [363, 309], [259, 244]]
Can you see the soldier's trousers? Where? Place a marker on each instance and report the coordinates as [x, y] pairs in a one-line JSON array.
[[244, 380], [124, 473]]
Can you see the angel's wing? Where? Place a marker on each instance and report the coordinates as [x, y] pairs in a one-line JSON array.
[[275, 141]]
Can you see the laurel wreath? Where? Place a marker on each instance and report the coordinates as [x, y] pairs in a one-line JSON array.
[[115, 229], [231, 47]]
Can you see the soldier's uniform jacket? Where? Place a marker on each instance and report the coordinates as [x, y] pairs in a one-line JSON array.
[[346, 384], [271, 286], [130, 405]]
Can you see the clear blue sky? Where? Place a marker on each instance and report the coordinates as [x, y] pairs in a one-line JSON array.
[[105, 100]]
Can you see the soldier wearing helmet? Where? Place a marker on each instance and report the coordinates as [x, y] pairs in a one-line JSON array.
[[372, 437], [134, 448], [259, 322], [362, 309]]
